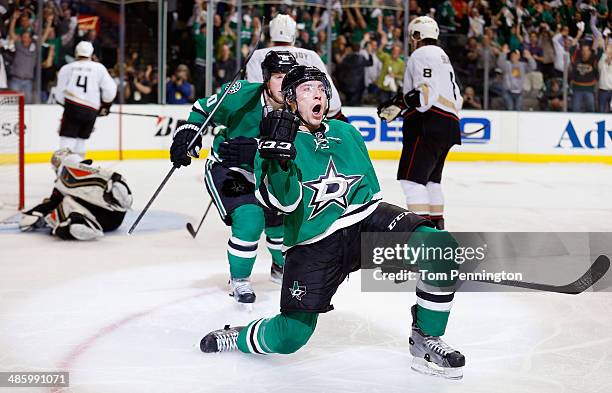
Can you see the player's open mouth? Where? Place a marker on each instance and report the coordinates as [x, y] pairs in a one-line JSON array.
[[317, 110]]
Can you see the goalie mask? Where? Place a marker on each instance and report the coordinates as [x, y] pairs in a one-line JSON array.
[[61, 155], [299, 75]]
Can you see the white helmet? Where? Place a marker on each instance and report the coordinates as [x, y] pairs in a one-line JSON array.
[[282, 29], [425, 26], [83, 49]]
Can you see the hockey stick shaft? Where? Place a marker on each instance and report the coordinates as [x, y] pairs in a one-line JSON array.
[[473, 132], [595, 272], [202, 128], [135, 114], [190, 227], [155, 194]]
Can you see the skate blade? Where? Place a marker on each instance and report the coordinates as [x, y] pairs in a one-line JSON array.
[[422, 366]]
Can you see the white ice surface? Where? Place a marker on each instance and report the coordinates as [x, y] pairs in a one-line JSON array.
[[126, 313]]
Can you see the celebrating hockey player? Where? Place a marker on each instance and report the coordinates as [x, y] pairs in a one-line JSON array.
[[229, 168], [86, 90], [86, 200], [430, 103], [282, 34], [319, 174]]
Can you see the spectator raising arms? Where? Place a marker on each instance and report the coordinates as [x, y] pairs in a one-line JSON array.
[[514, 72], [605, 80], [23, 67]]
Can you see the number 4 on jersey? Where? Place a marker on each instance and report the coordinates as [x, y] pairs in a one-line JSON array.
[[82, 82]]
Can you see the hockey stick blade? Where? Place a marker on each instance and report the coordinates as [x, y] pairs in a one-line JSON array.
[[191, 231], [597, 270], [194, 232]]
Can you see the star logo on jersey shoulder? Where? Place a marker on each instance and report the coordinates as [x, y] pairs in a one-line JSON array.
[[235, 87], [330, 188]]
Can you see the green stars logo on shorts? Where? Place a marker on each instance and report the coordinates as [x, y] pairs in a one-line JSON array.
[[297, 290]]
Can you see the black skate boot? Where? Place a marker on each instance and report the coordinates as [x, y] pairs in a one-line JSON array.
[[221, 340], [432, 356], [276, 273]]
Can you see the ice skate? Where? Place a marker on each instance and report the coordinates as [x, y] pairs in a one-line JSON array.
[[432, 356], [242, 292], [221, 340], [276, 273]]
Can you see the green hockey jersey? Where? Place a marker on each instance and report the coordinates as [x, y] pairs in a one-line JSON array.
[[240, 112], [330, 185]]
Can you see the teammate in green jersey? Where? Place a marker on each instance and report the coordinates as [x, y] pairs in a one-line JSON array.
[[319, 174], [229, 168]]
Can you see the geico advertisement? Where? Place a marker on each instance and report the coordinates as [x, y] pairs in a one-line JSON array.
[[573, 133], [479, 130]]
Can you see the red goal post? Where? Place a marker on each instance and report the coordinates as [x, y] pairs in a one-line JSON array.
[[12, 149]]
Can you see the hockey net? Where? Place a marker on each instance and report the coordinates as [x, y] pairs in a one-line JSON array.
[[11, 152]]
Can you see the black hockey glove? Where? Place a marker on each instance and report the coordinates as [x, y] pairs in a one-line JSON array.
[[179, 154], [391, 109], [104, 108], [412, 99], [238, 151], [236, 185], [278, 131]]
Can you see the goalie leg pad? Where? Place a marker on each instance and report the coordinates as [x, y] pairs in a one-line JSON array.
[[72, 221]]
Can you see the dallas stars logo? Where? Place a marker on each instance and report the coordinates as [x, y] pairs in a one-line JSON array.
[[332, 187], [297, 291]]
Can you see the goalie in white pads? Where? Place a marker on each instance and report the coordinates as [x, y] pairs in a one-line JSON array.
[[430, 104], [282, 34], [86, 200]]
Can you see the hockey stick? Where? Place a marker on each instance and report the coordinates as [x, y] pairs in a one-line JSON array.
[[135, 114], [190, 229], [473, 132], [597, 270], [202, 128], [9, 223]]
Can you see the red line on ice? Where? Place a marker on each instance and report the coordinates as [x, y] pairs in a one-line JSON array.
[[77, 351]]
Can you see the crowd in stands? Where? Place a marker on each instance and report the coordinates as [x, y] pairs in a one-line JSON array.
[[515, 52]]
